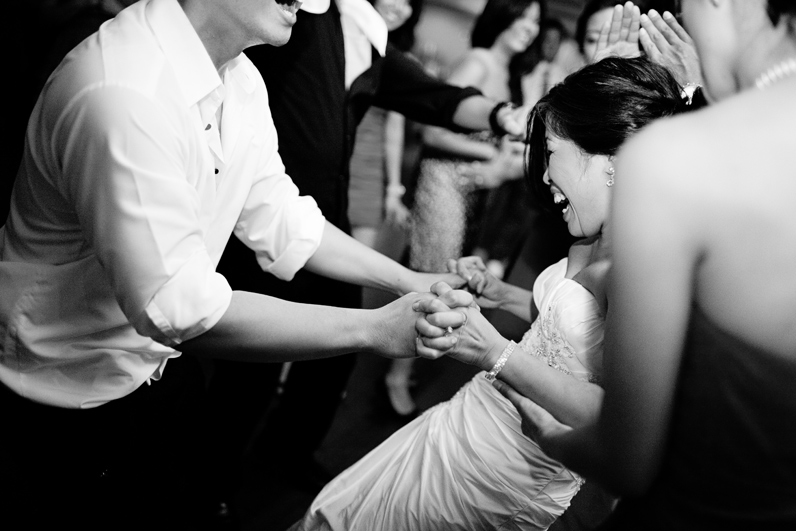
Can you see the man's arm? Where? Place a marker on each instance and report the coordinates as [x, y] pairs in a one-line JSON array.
[[259, 328]]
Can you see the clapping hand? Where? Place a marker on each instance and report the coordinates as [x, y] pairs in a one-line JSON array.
[[506, 165], [667, 44], [620, 37]]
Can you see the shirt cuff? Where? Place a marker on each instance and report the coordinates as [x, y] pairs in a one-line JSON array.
[[189, 304]]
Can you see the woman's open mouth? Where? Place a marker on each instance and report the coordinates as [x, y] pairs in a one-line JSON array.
[[291, 6], [561, 200]]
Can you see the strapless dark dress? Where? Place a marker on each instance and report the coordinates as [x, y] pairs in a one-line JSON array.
[[731, 457]]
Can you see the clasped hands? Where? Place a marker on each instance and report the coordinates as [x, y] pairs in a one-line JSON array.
[[452, 324]]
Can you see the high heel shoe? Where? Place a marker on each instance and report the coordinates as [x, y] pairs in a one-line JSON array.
[[399, 397]]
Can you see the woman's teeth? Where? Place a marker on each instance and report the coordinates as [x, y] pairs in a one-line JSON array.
[[561, 200]]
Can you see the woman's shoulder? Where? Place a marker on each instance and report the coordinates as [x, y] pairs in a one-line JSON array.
[[472, 69], [588, 265], [481, 55]]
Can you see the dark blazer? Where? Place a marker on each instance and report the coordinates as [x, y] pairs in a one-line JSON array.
[[316, 118]]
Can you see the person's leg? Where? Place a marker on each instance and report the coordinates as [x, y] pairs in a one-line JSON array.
[[398, 380]]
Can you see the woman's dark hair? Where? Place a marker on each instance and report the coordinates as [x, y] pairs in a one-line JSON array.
[[496, 17], [777, 8], [598, 108], [403, 37], [593, 6]]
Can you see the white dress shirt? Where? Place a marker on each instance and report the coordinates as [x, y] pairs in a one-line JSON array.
[[124, 201], [363, 28]]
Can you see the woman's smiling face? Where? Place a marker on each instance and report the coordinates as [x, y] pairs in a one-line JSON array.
[[525, 28], [577, 181]]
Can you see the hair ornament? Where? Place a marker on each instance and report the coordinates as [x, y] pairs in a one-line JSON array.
[[687, 93]]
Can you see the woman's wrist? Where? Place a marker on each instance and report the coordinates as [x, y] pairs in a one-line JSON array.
[[492, 355], [497, 117], [395, 190]]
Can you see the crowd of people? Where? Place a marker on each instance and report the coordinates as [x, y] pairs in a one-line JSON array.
[[178, 199]]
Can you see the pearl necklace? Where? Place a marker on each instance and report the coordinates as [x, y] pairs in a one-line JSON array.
[[775, 73]]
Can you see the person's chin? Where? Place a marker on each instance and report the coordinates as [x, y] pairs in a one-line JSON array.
[[283, 41]]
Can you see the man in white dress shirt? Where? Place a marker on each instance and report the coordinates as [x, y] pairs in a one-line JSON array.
[[145, 151]]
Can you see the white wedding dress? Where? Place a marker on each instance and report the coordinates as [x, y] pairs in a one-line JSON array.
[[465, 464]]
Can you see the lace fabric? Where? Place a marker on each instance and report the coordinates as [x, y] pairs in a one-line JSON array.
[[568, 335]]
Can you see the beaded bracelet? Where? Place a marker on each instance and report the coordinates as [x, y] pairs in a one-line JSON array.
[[504, 357]]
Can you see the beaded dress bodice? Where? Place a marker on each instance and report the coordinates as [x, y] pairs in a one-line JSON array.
[[568, 334]]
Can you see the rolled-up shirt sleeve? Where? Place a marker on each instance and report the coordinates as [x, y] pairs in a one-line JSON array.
[[283, 228], [126, 168]]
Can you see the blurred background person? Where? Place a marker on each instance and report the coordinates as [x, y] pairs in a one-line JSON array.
[[447, 201]]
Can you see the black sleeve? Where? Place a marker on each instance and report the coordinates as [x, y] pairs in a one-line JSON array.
[[405, 87]]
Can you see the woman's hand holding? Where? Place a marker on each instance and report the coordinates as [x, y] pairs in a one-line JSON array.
[[488, 289], [453, 326]]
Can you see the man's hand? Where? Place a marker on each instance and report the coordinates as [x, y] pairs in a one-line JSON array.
[[537, 424], [392, 328], [620, 37], [667, 44]]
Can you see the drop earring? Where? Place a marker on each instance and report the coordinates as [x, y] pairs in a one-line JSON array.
[[610, 173]]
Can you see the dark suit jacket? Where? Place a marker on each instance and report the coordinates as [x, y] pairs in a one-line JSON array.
[[316, 120]]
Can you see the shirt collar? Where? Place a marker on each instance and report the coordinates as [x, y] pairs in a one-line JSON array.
[[243, 75], [365, 17], [196, 75]]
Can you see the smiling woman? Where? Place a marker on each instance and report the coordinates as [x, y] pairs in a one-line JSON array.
[[695, 431], [465, 464]]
